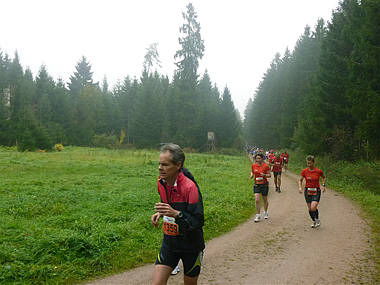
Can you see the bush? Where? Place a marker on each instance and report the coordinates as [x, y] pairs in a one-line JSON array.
[[105, 141], [58, 147]]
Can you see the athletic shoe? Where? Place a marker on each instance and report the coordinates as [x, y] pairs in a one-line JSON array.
[[266, 216], [175, 270], [313, 225], [257, 218], [317, 223], [279, 190]]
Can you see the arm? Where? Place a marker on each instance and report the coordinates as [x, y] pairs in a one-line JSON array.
[[193, 216], [324, 178], [300, 184]]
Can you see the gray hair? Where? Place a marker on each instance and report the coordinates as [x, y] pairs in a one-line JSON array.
[[310, 158], [176, 153]]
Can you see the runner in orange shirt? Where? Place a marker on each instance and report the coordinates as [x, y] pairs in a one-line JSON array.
[[312, 189], [276, 163], [260, 172]]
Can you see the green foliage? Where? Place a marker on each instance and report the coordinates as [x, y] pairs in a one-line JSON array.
[[322, 97], [150, 110], [85, 212], [105, 141]]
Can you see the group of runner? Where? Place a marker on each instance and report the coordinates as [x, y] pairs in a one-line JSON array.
[[181, 206], [261, 171]]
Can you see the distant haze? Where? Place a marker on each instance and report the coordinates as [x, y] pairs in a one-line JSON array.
[[241, 36]]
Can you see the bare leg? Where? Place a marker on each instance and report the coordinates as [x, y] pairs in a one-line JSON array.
[[190, 280], [161, 274], [266, 204], [257, 200]]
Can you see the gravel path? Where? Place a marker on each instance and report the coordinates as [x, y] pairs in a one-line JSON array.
[[283, 249]]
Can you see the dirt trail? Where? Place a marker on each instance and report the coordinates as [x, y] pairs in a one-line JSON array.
[[283, 249]]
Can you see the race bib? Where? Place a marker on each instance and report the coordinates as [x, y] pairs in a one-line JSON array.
[[277, 163], [312, 191], [169, 226], [259, 178]]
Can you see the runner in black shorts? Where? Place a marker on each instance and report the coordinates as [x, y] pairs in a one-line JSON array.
[[260, 172], [181, 208], [312, 189]]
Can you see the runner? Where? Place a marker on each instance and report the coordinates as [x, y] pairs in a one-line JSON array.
[[312, 190], [285, 155], [260, 172], [182, 210], [276, 163]]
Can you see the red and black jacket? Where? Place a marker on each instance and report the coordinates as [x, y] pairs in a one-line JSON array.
[[186, 197]]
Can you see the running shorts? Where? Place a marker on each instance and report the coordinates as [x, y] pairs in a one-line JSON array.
[[192, 261], [277, 173], [311, 195], [261, 188]]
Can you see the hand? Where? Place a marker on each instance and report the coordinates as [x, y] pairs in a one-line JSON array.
[[155, 218], [165, 210]]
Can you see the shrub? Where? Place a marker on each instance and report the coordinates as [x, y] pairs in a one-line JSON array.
[[58, 147], [105, 141]]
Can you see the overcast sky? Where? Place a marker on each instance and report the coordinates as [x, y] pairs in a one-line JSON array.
[[241, 36]]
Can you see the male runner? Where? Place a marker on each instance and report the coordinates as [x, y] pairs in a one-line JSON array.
[[181, 208]]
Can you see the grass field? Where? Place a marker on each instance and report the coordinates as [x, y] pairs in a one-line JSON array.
[[359, 181], [74, 215]]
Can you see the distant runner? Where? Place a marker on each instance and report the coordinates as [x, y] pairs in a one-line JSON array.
[[181, 208], [312, 189], [276, 163], [260, 172], [285, 155]]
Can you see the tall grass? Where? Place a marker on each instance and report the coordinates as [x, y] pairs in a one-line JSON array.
[[359, 181], [81, 213]]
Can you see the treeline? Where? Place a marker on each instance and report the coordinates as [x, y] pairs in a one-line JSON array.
[[37, 112], [324, 96]]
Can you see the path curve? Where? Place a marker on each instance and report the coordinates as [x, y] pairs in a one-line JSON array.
[[283, 249]]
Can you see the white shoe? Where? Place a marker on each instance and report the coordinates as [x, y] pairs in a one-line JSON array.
[[266, 216], [175, 270], [317, 223], [257, 218]]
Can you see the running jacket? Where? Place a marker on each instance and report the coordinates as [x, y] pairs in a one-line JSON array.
[[184, 196]]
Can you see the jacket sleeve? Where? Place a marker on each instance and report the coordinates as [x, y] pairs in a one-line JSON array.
[[193, 216]]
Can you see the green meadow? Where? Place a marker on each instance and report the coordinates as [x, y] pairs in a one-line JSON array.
[[82, 213]]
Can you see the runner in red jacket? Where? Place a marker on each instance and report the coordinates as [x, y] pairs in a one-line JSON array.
[[181, 208], [312, 189]]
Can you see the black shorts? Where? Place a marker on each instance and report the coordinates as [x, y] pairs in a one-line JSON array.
[[192, 261], [276, 174], [261, 188], [312, 198]]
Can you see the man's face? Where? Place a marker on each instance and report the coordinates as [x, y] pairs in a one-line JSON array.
[[167, 169], [310, 163], [259, 159]]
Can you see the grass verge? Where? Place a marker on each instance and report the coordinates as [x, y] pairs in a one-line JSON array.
[[82, 213]]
